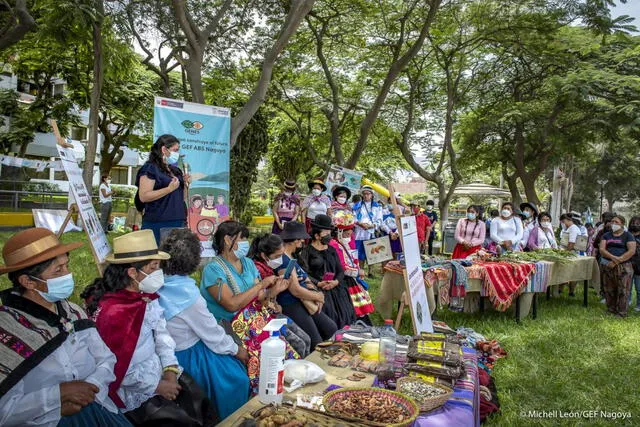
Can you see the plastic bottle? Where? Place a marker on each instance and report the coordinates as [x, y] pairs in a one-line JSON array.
[[387, 349], [272, 353]]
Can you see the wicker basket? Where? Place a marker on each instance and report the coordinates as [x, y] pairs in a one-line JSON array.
[[407, 404], [429, 403]]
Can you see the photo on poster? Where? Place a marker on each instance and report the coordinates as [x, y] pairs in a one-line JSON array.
[[378, 250], [345, 177]]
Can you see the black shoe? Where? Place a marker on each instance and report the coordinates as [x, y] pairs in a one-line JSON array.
[[572, 294]]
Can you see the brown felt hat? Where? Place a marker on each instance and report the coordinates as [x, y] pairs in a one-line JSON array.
[[135, 246], [33, 246]]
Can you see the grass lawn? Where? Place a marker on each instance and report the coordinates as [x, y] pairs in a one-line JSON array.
[[570, 359]]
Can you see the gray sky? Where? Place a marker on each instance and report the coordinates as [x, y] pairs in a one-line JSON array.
[[632, 8]]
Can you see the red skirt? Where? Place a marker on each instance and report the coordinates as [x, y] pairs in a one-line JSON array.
[[459, 252]]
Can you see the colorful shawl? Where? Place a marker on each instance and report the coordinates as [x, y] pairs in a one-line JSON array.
[[540, 279], [505, 281], [29, 333], [119, 319]]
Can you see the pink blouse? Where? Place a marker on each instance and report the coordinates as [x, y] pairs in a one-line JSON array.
[[473, 232]]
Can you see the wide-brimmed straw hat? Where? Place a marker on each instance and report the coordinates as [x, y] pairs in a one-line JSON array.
[[33, 246], [136, 246], [319, 182]]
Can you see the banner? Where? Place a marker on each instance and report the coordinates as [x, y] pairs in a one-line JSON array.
[[52, 219], [38, 165], [413, 276], [97, 238], [346, 177], [204, 132]]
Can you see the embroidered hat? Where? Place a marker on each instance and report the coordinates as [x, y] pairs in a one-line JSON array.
[[33, 246], [289, 185], [319, 182], [136, 246]]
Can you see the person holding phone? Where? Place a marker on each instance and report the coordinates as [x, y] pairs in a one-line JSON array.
[[322, 264], [271, 254]]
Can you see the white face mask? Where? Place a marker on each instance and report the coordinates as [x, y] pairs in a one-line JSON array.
[[546, 224], [108, 181], [275, 263], [288, 193], [316, 192], [346, 241], [506, 213], [615, 228], [342, 200], [152, 282]]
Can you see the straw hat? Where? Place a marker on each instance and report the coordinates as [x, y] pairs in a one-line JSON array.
[[289, 185], [317, 181], [33, 246], [136, 246], [366, 188]]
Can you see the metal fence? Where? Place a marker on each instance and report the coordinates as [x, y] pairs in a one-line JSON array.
[[26, 195]]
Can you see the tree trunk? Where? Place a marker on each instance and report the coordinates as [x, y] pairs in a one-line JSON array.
[[194, 75], [96, 90], [530, 190], [512, 183], [17, 26]]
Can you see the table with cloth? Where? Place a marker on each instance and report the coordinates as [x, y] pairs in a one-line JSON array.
[[462, 409], [490, 280]]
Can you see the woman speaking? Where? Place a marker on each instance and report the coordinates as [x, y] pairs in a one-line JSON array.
[[161, 186]]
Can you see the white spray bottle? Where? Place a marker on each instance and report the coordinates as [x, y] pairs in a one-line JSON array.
[[272, 353]]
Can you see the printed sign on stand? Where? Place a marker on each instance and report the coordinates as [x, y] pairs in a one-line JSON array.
[[97, 239], [378, 250], [416, 293]]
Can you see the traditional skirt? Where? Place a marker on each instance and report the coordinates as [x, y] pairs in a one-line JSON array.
[[222, 377], [459, 252], [277, 230], [338, 306], [94, 415]]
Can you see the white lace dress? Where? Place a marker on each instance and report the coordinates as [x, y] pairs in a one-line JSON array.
[[154, 351]]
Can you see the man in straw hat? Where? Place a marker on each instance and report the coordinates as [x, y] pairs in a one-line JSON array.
[[56, 369], [130, 320]]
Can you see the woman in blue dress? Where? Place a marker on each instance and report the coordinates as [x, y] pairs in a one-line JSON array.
[[203, 348]]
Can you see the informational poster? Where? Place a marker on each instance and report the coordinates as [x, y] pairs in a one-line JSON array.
[[97, 238], [378, 250], [204, 132], [341, 176], [413, 277]]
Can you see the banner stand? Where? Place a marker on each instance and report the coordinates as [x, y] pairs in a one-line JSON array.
[[74, 207]]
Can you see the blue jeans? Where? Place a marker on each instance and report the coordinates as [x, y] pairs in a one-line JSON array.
[[636, 284]]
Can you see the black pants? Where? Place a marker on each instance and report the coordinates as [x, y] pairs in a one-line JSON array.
[[319, 327], [431, 237]]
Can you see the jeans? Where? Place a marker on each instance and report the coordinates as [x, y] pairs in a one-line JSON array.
[[635, 283], [105, 213]]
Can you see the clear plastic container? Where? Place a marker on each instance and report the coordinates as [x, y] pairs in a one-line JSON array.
[[387, 348]]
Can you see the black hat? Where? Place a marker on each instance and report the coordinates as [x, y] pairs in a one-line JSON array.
[[340, 188], [317, 181], [323, 222], [294, 230], [530, 206]]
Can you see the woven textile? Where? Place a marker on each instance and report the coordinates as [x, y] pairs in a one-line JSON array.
[[505, 281], [540, 279]]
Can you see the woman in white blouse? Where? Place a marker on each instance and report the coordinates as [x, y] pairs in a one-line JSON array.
[[57, 370], [203, 348], [507, 230], [131, 322]]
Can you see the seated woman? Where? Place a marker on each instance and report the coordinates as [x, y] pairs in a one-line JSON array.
[[541, 236], [130, 320], [299, 299], [203, 348], [234, 292], [56, 369], [345, 247], [470, 233], [321, 262]]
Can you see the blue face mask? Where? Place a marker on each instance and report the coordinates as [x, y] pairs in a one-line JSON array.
[[471, 216], [243, 249], [173, 158], [59, 288]]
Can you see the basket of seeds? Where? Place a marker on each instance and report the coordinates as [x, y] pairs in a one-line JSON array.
[[372, 406], [429, 396]]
